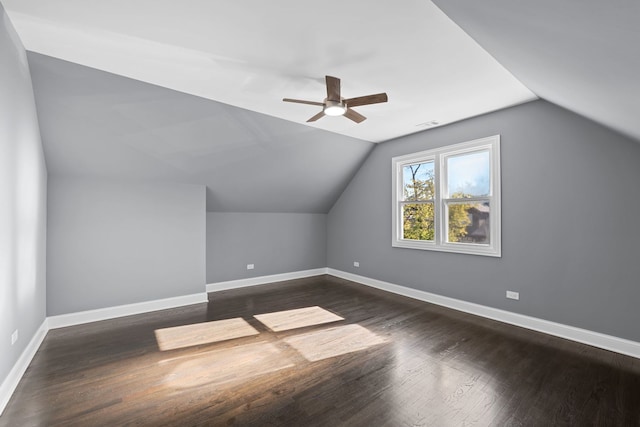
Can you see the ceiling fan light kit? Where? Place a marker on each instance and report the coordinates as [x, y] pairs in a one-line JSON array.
[[335, 105], [334, 108]]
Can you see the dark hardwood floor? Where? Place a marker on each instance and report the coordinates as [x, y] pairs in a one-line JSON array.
[[355, 357]]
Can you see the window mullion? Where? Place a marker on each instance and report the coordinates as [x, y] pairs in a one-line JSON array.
[[468, 199], [416, 202], [437, 205]]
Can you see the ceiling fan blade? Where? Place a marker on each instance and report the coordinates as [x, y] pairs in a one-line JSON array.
[[366, 100], [354, 115], [316, 117], [301, 101], [333, 88]]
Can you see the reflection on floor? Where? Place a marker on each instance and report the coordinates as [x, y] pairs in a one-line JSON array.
[[228, 365]]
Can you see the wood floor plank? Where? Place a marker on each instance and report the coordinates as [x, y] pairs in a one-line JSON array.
[[330, 353]]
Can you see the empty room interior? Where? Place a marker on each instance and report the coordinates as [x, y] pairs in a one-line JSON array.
[[344, 213]]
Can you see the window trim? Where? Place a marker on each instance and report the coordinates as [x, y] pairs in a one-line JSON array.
[[439, 156]]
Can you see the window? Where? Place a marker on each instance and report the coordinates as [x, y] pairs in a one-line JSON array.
[[448, 199]]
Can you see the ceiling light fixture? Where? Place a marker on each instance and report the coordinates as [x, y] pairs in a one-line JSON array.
[[334, 108], [336, 105]]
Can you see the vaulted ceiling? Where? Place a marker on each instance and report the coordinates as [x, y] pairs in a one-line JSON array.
[[251, 54], [192, 91], [583, 55], [98, 124]]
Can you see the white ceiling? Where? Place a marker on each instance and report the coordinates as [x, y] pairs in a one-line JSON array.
[[251, 54]]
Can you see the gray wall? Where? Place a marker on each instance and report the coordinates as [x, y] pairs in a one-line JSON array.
[[103, 125], [23, 193], [570, 227], [113, 243], [274, 242]]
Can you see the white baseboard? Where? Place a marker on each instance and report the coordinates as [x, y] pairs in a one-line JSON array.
[[262, 280], [596, 339], [15, 374], [88, 316]]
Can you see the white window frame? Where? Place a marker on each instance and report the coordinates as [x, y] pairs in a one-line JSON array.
[[439, 157]]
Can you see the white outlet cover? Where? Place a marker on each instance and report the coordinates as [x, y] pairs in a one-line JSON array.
[[513, 295], [356, 264], [250, 266]]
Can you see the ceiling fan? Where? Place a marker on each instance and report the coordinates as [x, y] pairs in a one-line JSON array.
[[336, 105]]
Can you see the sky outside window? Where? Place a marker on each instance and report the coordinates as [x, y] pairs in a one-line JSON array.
[[423, 174], [469, 174]]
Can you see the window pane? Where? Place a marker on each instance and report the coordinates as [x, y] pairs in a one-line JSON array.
[[468, 175], [417, 181], [468, 222], [417, 221]]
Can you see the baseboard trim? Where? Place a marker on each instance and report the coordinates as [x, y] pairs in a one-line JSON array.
[[79, 318], [596, 339], [263, 280], [19, 368]]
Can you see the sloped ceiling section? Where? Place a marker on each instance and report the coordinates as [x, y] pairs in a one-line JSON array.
[[583, 55], [97, 124], [252, 53]]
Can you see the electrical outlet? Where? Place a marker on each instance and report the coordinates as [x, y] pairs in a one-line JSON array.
[[250, 266], [14, 337], [513, 295], [356, 264]]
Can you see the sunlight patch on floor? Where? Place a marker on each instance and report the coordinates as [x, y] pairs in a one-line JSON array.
[[229, 365], [203, 333], [298, 318], [319, 345]]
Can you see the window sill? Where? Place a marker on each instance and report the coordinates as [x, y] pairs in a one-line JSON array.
[[458, 248]]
